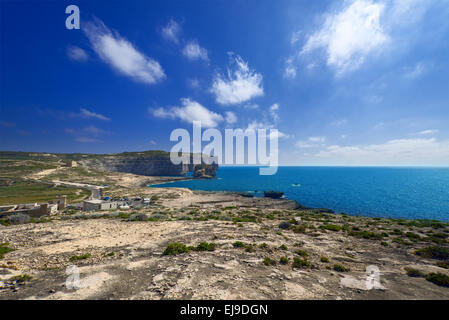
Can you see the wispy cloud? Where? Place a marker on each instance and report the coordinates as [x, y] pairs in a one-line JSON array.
[[230, 117], [189, 112], [290, 69], [171, 31], [77, 54], [193, 51], [428, 132], [274, 112], [121, 54], [416, 71], [311, 142], [239, 85], [86, 114]]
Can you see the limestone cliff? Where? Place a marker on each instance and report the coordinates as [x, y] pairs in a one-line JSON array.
[[149, 163]]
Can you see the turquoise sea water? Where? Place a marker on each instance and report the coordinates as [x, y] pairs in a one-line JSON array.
[[412, 193]]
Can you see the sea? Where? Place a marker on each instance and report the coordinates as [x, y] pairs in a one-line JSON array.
[[388, 192]]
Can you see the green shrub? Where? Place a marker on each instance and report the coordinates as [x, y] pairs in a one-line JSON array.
[[269, 262], [263, 246], [239, 244], [438, 278], [299, 229], [283, 260], [80, 257], [175, 248], [4, 248], [340, 268], [324, 259], [435, 252], [300, 263], [283, 247], [414, 273], [384, 243], [443, 265], [331, 227], [301, 253], [204, 246], [21, 279]]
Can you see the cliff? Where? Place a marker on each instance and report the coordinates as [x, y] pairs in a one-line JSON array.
[[148, 164]]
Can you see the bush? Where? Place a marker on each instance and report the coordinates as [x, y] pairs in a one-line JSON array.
[[443, 265], [283, 260], [438, 278], [414, 273], [301, 253], [175, 248], [340, 268], [299, 229], [81, 257], [300, 263], [435, 252], [239, 244], [269, 262], [21, 279], [331, 227], [324, 259], [204, 246], [283, 247], [4, 249]]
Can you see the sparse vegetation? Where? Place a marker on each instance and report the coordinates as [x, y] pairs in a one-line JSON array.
[[438, 278], [4, 248], [324, 259], [269, 262], [340, 268], [435, 252], [21, 278], [300, 263], [414, 273], [80, 257], [283, 260]]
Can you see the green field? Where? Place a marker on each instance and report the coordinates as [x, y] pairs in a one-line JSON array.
[[18, 192]]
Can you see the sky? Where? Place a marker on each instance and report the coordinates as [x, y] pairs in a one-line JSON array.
[[356, 82]]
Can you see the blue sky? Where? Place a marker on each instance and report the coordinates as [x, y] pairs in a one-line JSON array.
[[360, 82]]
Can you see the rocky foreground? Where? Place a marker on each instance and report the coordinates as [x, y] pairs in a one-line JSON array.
[[222, 246]]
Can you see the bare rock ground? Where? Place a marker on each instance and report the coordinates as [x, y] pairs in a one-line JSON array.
[[120, 258]]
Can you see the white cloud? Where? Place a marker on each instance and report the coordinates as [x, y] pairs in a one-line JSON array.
[[428, 132], [153, 143], [274, 112], [400, 151], [121, 54], [194, 51], [348, 37], [311, 142], [240, 85], [89, 114], [189, 112], [230, 117], [171, 31], [290, 70], [77, 54]]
